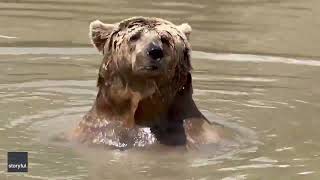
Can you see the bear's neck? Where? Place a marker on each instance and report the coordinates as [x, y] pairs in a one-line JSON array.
[[142, 104]]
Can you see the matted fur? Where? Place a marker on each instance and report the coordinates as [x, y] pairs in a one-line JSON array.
[[125, 100]]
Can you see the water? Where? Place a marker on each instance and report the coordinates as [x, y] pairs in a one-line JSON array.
[[256, 66]]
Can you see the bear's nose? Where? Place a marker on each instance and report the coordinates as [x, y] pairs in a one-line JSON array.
[[156, 53]]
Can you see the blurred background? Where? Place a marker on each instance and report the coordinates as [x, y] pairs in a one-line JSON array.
[[282, 27]]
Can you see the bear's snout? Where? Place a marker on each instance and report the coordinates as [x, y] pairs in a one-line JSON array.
[[150, 58], [155, 52]]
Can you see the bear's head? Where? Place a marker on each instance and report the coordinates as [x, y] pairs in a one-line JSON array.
[[149, 55], [139, 46]]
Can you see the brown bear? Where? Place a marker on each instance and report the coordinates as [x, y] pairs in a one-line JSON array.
[[144, 87]]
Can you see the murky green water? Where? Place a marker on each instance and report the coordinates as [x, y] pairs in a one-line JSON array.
[[48, 72]]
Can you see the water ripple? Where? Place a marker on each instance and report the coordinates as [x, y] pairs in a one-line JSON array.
[[196, 54]]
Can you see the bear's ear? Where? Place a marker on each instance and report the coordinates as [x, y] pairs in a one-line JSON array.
[[186, 29], [99, 33]]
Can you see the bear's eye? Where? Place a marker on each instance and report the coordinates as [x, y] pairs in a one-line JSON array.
[[135, 37], [165, 40]]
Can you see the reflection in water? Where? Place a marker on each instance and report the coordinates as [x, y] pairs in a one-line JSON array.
[[45, 91]]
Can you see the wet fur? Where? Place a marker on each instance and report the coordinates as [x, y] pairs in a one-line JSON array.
[[126, 102]]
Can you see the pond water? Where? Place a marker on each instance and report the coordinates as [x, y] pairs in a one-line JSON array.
[[256, 66]]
